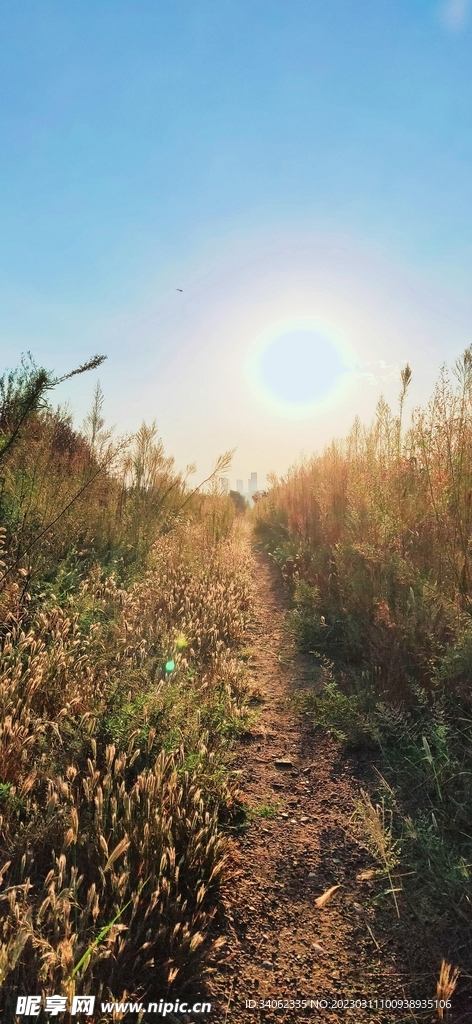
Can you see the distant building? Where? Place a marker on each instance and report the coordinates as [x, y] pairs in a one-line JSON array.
[[240, 486], [252, 484], [225, 484]]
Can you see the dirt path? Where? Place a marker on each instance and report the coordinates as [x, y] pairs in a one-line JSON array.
[[282, 947]]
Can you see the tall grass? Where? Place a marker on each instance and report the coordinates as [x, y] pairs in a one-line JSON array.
[[380, 525], [374, 541], [114, 773]]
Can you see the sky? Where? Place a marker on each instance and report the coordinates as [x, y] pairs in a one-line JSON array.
[[259, 210]]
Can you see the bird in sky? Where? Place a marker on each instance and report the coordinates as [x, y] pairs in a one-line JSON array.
[[179, 289]]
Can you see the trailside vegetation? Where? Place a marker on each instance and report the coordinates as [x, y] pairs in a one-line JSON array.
[[123, 599], [374, 541]]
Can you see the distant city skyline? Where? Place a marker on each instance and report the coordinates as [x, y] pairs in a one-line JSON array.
[[252, 485]]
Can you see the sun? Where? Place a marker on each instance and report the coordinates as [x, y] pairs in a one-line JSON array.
[[300, 368]]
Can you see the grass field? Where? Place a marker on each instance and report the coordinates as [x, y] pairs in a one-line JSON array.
[[123, 601], [373, 538]]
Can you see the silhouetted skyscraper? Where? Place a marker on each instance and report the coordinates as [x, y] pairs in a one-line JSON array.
[[252, 484], [240, 486]]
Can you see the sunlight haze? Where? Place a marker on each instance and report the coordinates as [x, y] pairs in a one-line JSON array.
[[185, 183]]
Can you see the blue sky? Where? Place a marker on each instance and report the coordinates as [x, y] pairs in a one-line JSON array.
[[279, 160]]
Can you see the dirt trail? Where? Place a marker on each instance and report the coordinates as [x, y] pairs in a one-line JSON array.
[[282, 947]]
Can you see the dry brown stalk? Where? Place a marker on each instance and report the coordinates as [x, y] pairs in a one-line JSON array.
[[446, 984]]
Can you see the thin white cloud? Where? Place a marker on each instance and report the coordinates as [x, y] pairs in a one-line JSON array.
[[455, 14], [380, 373]]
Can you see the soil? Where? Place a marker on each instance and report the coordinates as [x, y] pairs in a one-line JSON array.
[[297, 842]]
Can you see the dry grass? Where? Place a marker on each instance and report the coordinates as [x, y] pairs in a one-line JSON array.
[[114, 774], [380, 526], [446, 986], [378, 824], [374, 538], [97, 844]]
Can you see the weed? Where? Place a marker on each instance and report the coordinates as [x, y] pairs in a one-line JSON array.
[[267, 809], [373, 540], [115, 774], [447, 981], [344, 716], [378, 824]]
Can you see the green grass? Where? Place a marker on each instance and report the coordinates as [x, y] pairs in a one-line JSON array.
[[265, 810]]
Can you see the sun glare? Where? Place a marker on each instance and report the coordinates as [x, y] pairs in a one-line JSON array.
[[300, 369]]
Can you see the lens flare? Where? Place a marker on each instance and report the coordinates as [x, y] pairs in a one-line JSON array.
[[301, 368]]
